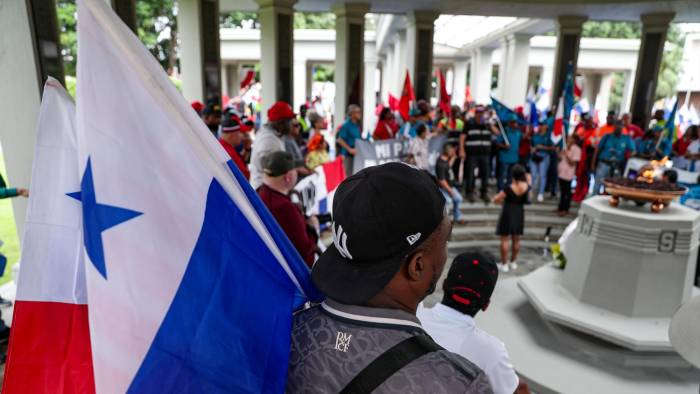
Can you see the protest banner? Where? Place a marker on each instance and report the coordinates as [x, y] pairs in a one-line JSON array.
[[379, 152]]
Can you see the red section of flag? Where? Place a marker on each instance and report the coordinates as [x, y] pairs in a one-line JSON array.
[[407, 97], [49, 349], [393, 103], [577, 89], [248, 80], [468, 95], [558, 128], [444, 97], [334, 172]]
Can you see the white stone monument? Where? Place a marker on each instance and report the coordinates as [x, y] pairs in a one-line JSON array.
[[628, 270]]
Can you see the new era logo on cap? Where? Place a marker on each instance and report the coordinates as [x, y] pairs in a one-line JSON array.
[[413, 238]]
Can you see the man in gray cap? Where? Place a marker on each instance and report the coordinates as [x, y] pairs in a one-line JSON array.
[[390, 235]]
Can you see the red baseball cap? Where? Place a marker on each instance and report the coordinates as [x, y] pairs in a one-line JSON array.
[[197, 106], [280, 111]]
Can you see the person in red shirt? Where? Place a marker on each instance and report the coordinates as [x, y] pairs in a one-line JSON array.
[[386, 126], [279, 177], [232, 136], [633, 130]]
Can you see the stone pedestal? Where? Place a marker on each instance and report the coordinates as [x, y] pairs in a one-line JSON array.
[[630, 261], [628, 270]]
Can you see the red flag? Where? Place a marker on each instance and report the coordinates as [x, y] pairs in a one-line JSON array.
[[334, 172], [407, 96], [468, 95], [577, 89], [393, 103], [248, 80], [558, 129], [444, 97]]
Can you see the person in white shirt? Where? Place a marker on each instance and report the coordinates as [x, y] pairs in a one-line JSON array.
[[467, 290], [418, 147]]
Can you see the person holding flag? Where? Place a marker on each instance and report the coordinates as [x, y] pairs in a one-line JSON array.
[[670, 135], [508, 144]]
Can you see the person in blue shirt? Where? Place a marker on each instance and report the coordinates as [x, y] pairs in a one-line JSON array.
[[646, 146], [540, 158], [508, 152], [348, 133], [610, 155]]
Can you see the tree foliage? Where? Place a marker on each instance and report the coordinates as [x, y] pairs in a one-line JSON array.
[[302, 20], [157, 29], [670, 62]]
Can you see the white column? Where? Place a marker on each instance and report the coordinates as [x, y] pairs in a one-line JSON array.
[[299, 82], [481, 75], [399, 61], [517, 71], [546, 82], [189, 32], [460, 82], [19, 100], [276, 51], [419, 50], [603, 99], [349, 54], [225, 87], [627, 91], [384, 89], [369, 91], [503, 69]]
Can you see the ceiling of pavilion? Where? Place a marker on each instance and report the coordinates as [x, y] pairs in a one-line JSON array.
[[686, 10]]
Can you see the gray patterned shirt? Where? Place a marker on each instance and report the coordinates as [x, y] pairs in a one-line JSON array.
[[333, 342]]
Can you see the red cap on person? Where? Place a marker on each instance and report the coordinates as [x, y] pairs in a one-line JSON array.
[[280, 111], [197, 106]]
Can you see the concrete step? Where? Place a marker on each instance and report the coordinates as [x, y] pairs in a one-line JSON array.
[[530, 218], [536, 207], [456, 246], [478, 232]]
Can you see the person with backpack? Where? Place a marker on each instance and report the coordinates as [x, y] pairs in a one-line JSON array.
[[387, 255]]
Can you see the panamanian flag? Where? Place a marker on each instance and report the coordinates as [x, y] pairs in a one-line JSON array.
[[49, 347], [191, 284]]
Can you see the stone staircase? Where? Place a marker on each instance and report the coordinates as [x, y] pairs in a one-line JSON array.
[[479, 231]]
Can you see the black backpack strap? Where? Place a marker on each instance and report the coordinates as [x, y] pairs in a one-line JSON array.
[[390, 362]]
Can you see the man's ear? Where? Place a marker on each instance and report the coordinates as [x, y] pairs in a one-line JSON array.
[[416, 266]]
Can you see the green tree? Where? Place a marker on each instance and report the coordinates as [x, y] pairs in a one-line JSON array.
[[302, 20], [670, 62], [157, 29], [67, 12]]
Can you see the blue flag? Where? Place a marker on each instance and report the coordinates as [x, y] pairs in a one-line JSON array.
[[670, 131], [504, 113]]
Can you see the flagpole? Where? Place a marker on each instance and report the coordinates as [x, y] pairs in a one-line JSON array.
[[503, 132]]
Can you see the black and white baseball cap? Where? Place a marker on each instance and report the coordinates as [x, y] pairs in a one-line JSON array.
[[381, 214]]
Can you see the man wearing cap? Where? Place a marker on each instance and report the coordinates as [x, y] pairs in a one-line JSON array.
[[231, 137], [475, 145], [467, 290], [279, 178], [211, 116], [387, 255], [269, 138]]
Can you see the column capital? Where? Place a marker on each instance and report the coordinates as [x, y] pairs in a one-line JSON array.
[[656, 22], [570, 23], [422, 18], [519, 38], [355, 12], [285, 6]]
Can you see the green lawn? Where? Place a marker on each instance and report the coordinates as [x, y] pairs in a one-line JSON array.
[[8, 232]]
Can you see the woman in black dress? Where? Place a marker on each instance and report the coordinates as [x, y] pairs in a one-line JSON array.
[[512, 218]]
